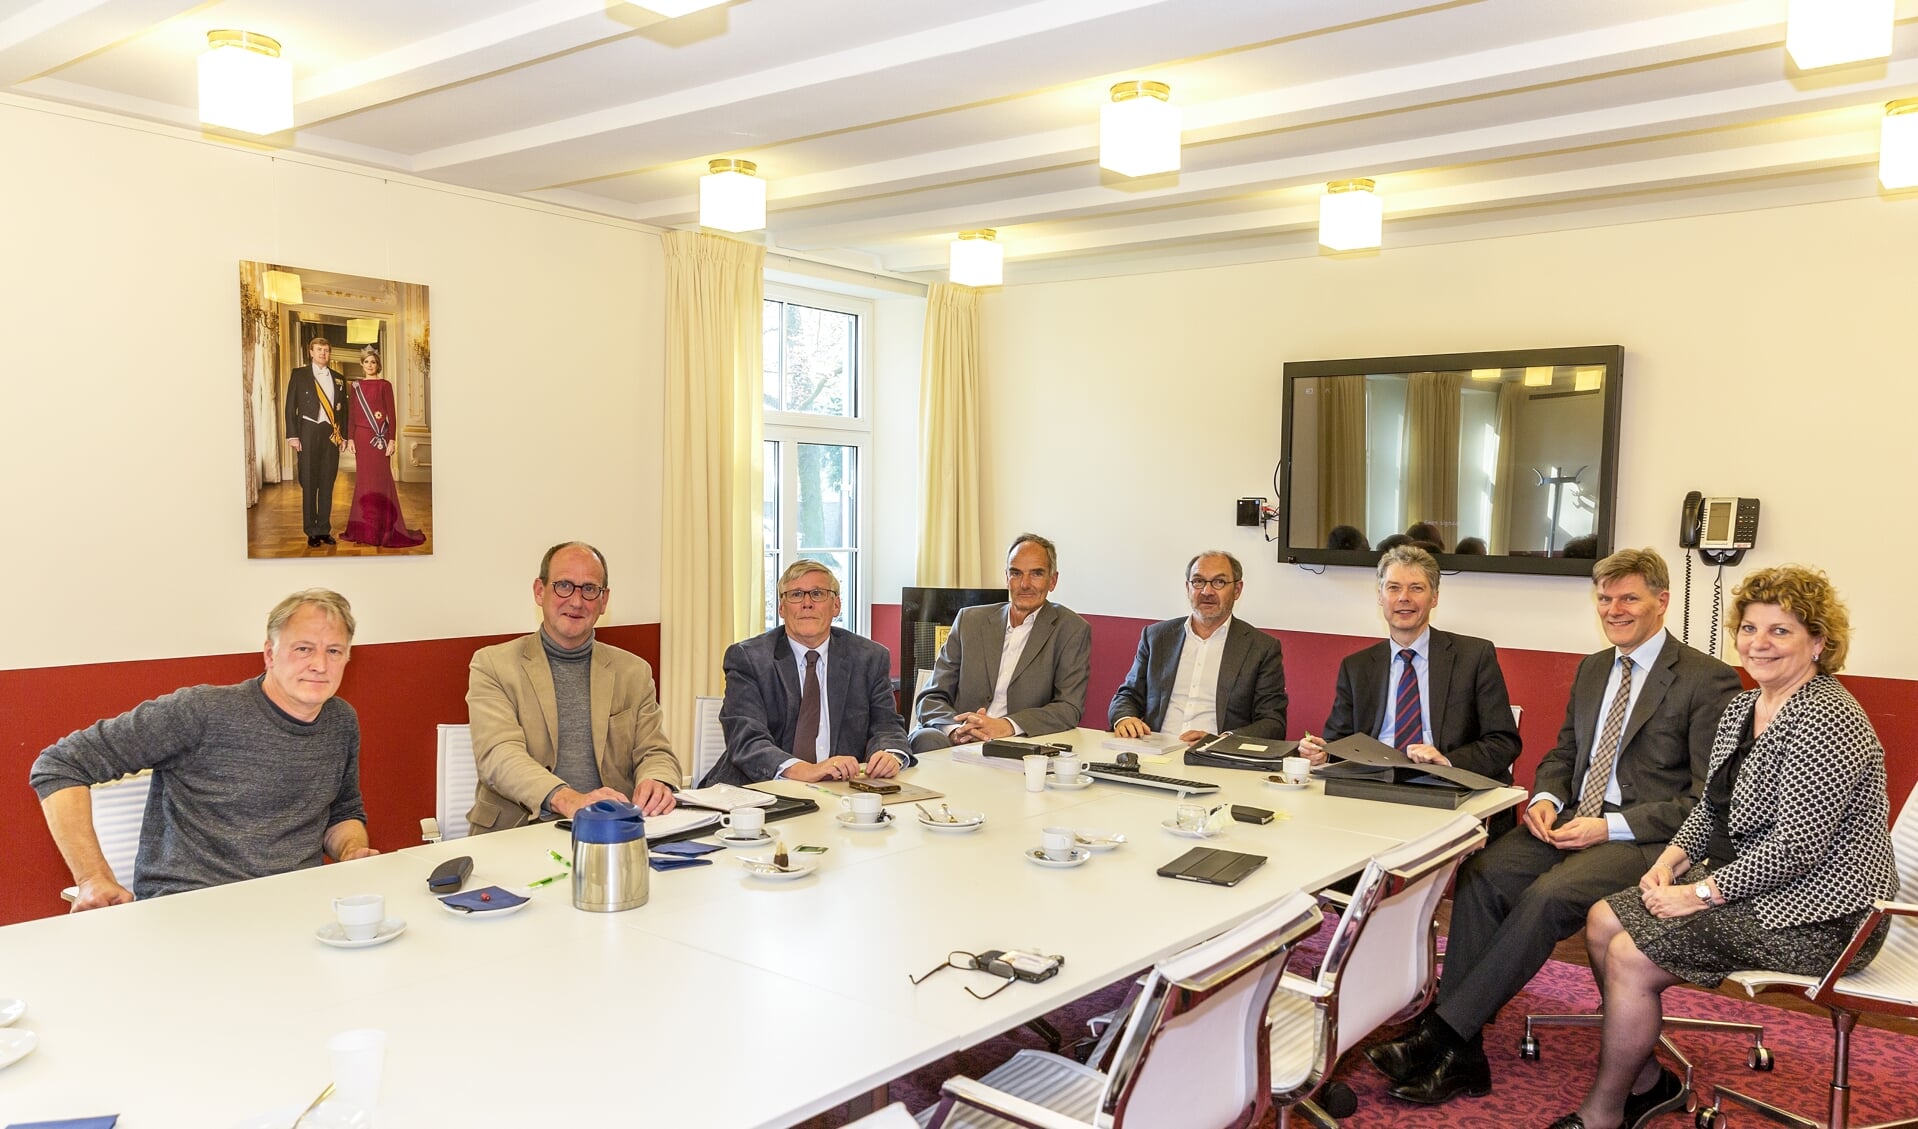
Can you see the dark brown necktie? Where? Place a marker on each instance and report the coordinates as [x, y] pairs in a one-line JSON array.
[[806, 740]]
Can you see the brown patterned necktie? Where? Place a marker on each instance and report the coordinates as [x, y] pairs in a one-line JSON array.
[[1598, 775], [806, 740]]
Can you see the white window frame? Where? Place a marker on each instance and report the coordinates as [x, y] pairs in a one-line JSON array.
[[789, 429]]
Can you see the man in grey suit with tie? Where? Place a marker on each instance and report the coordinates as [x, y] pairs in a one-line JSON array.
[[1020, 667], [807, 700], [1209, 672], [1629, 763]]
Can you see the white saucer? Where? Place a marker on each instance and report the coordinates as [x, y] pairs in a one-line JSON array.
[[962, 822], [1077, 858], [507, 912], [332, 1114], [763, 868], [1098, 841], [332, 934], [10, 1010], [1287, 786], [844, 819], [1177, 830], [16, 1045], [728, 839], [1073, 785]]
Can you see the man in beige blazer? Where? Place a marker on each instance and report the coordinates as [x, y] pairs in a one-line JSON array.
[[561, 720]]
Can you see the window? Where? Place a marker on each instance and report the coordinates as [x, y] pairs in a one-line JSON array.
[[817, 435]]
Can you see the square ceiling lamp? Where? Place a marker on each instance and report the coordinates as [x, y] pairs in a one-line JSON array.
[[1898, 145], [1139, 130], [244, 83], [1824, 33], [362, 331], [977, 259], [1539, 376], [1351, 216], [673, 9], [732, 197], [284, 287]]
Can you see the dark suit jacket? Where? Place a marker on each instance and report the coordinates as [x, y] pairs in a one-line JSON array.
[[760, 714], [1667, 741], [1048, 690], [303, 400], [1251, 694], [1470, 713]]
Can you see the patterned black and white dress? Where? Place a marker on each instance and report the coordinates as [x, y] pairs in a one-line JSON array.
[[1793, 827]]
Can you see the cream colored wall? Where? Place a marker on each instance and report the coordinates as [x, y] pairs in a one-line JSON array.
[[124, 525], [1768, 354]]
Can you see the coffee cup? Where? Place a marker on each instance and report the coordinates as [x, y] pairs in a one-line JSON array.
[[1057, 843], [1296, 770], [745, 823], [866, 807], [360, 915], [1190, 817], [1065, 766], [1036, 766]]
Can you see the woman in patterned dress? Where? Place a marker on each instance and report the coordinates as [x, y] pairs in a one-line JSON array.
[[1778, 862], [375, 518]]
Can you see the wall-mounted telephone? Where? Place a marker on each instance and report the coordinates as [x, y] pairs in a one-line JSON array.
[[1721, 529]]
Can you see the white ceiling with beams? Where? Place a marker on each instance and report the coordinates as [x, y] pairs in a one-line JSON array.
[[883, 127]]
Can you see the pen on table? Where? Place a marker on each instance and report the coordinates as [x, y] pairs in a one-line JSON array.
[[546, 881], [823, 788], [559, 858]]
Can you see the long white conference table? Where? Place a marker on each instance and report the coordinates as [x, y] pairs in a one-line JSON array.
[[726, 1001]]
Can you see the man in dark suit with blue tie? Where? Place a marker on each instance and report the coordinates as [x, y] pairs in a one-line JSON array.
[[1209, 672], [315, 407], [1629, 763], [807, 700]]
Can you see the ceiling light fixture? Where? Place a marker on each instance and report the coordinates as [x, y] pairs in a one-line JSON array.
[[731, 196], [244, 83], [1351, 216], [284, 287], [977, 259], [673, 9], [1898, 145], [362, 331], [1824, 33], [1139, 129], [1539, 376]]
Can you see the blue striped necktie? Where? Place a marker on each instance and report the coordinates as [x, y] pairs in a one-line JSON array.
[[1408, 724]]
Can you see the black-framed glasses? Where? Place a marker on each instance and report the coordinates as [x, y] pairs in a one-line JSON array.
[[566, 588], [970, 962], [1216, 583], [801, 595]]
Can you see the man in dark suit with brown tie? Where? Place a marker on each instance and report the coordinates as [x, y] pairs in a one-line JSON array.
[[315, 406], [1629, 763]]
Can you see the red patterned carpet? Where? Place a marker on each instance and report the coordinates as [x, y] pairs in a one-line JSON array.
[[1534, 1093]]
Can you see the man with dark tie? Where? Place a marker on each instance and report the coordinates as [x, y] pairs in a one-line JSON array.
[[315, 405], [807, 700], [1437, 697], [1209, 672], [1629, 763]]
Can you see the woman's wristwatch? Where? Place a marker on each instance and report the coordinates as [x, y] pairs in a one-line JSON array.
[[1704, 892]]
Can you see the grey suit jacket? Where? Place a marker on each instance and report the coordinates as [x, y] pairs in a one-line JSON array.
[[760, 714], [1666, 744], [1251, 693], [1470, 713], [1048, 690]]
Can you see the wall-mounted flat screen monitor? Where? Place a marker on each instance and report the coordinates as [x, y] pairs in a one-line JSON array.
[[1496, 462]]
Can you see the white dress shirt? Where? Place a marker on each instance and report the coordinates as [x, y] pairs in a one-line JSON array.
[[323, 380], [1421, 649], [1195, 686], [1015, 646], [1643, 659]]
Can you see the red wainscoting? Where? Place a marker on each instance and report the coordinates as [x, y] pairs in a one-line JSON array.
[[402, 691]]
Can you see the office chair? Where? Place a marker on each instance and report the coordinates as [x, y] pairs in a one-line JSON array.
[[1194, 1052], [457, 778], [1379, 968], [119, 811], [709, 739]]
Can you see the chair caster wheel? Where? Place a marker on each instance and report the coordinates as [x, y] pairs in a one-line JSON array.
[[1759, 1058], [1709, 1118], [1338, 1101], [1528, 1048]]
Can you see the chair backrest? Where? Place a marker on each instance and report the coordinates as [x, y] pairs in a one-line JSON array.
[[119, 811], [458, 780], [709, 738], [1904, 844], [1195, 1051], [1380, 961], [920, 680], [1897, 961]]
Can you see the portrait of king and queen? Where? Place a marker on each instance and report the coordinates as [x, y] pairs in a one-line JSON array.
[[335, 380]]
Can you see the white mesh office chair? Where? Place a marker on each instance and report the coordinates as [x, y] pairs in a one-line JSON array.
[[1194, 1052], [119, 810], [1886, 986], [1379, 966], [458, 781], [709, 739]]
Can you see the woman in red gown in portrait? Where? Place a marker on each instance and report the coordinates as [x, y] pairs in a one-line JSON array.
[[375, 518]]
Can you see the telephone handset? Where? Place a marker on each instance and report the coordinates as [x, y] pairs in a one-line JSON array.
[[1688, 520], [1721, 529]]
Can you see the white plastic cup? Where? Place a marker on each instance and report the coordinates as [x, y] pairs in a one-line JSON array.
[[1057, 843], [1065, 766], [1296, 770], [1037, 765], [866, 807], [745, 823], [360, 915], [359, 1057]]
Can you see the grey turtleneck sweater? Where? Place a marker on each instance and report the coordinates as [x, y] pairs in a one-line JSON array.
[[573, 693]]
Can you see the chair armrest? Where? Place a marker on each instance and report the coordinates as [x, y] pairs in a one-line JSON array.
[[1014, 1109], [1880, 910], [1333, 898], [1299, 985], [70, 895]]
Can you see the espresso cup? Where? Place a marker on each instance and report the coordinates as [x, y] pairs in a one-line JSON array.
[[1057, 843], [1296, 770], [745, 823], [866, 807], [1065, 766], [1036, 766], [360, 915]]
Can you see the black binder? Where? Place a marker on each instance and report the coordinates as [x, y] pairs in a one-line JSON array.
[[1369, 769], [1256, 754]]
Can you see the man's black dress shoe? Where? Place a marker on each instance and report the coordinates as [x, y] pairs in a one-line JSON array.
[[1406, 1058], [1456, 1070], [327, 538], [1668, 1093], [313, 542]]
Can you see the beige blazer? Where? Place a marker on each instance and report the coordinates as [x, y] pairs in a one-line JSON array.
[[512, 706]]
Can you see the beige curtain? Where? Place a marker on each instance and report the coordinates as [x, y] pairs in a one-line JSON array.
[[710, 563], [1431, 451], [950, 552], [1510, 395], [1341, 453]]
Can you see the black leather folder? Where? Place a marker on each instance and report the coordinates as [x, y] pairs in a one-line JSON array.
[[1362, 767], [1257, 754]]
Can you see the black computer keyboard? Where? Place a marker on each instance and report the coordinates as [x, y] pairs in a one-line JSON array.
[[1106, 770]]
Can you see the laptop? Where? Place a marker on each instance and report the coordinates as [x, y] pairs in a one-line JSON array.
[[1212, 866]]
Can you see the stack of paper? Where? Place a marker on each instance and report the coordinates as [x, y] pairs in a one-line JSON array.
[[678, 820], [1151, 745], [724, 797]]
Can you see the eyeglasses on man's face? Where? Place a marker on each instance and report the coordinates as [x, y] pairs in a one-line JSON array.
[[564, 589], [969, 962], [816, 595], [1216, 583]]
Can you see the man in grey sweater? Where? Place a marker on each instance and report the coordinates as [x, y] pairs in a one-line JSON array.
[[249, 780]]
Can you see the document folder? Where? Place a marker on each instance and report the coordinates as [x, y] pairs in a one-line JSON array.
[[1368, 769], [1258, 754]]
